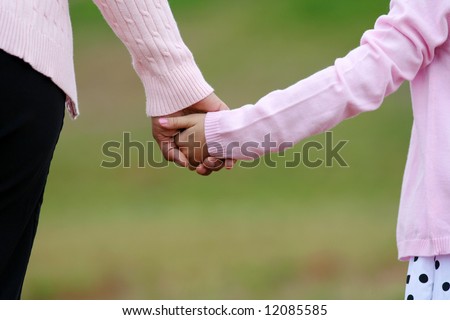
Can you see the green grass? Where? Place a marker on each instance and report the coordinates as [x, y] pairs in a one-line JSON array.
[[219, 257], [261, 233]]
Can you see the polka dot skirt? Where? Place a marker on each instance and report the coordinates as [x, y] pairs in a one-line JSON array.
[[428, 278]]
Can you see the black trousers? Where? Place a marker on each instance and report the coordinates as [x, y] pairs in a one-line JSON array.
[[31, 118]]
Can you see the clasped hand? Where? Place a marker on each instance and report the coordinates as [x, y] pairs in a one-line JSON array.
[[181, 137]]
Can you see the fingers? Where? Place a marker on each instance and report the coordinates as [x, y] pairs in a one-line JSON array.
[[205, 171], [201, 170], [177, 123], [171, 152], [213, 164], [184, 151], [229, 163]]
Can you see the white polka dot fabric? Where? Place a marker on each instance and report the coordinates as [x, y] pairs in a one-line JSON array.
[[428, 278]]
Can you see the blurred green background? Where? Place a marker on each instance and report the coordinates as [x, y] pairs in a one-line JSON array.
[[261, 233]]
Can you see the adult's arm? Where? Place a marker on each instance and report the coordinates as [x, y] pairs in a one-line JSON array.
[[166, 66], [173, 83]]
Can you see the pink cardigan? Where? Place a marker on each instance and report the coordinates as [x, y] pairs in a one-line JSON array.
[[410, 43], [39, 32]]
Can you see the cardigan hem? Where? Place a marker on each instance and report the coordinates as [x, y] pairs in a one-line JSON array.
[[423, 248], [19, 37]]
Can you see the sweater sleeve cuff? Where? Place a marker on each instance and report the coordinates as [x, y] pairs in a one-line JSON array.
[[214, 141], [172, 92]]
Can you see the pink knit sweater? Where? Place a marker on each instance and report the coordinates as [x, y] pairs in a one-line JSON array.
[[39, 32], [410, 43]]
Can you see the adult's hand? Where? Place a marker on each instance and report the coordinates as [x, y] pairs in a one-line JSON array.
[[166, 137]]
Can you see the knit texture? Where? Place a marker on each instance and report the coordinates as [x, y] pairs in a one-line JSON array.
[[171, 78], [411, 43], [39, 32]]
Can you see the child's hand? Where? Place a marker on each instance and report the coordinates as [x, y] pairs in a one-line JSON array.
[[191, 140]]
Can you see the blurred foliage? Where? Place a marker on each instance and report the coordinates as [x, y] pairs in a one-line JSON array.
[[261, 233]]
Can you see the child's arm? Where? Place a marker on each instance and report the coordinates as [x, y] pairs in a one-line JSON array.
[[401, 44]]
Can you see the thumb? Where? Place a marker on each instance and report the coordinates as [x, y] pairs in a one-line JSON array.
[[223, 107], [177, 123]]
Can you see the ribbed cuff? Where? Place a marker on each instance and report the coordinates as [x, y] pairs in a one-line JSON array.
[[214, 141], [172, 92], [423, 248]]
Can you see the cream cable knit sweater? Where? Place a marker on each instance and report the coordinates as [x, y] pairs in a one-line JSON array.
[[39, 32]]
